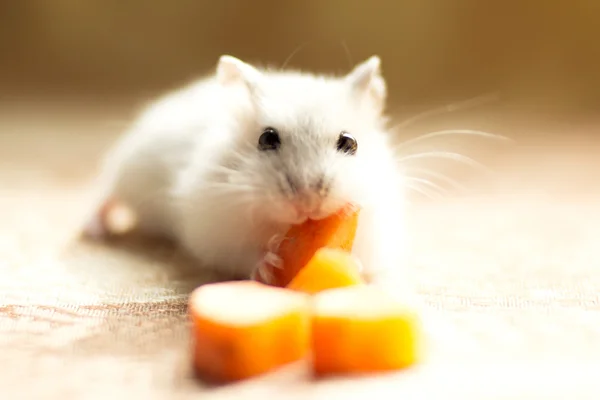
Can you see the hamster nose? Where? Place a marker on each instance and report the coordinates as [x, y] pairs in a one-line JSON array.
[[321, 186], [307, 202], [318, 186]]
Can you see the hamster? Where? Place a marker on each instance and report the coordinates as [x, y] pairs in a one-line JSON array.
[[226, 164]]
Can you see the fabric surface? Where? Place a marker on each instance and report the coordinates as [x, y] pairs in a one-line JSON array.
[[510, 278]]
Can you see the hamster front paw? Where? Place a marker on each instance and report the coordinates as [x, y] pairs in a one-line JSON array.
[[263, 270]]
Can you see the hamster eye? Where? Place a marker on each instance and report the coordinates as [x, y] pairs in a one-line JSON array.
[[347, 144], [269, 140]]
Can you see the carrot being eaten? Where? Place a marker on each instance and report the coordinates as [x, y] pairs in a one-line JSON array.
[[327, 269], [360, 329], [242, 329], [317, 304], [301, 242]]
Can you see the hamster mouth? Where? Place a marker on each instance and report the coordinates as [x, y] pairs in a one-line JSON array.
[[300, 216], [300, 220], [299, 211], [315, 215]]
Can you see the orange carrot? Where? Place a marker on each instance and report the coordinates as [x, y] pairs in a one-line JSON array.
[[302, 241], [327, 269], [359, 329], [243, 329]]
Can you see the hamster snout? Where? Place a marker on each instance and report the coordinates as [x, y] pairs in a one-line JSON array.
[[309, 200], [308, 205]]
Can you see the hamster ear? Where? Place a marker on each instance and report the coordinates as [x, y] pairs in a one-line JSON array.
[[366, 80], [231, 70]]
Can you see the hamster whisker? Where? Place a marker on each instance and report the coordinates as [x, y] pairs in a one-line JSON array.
[[422, 191], [224, 169], [427, 182], [228, 186], [229, 194], [444, 155], [224, 196], [435, 175], [466, 104], [289, 58], [471, 132], [347, 52]]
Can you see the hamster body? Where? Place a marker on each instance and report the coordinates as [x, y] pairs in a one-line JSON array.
[[228, 163]]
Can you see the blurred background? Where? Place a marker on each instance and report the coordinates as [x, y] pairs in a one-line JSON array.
[[73, 72], [542, 52]]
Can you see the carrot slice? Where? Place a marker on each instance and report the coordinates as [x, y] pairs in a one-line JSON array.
[[327, 269], [243, 329], [361, 330], [302, 241]]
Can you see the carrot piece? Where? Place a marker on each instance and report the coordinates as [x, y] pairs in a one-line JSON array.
[[327, 269], [302, 241], [243, 329], [359, 329]]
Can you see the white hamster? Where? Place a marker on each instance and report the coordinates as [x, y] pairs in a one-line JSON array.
[[229, 162]]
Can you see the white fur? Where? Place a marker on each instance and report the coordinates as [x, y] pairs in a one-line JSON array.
[[190, 166]]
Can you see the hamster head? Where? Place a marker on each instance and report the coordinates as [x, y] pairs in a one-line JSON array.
[[312, 141]]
